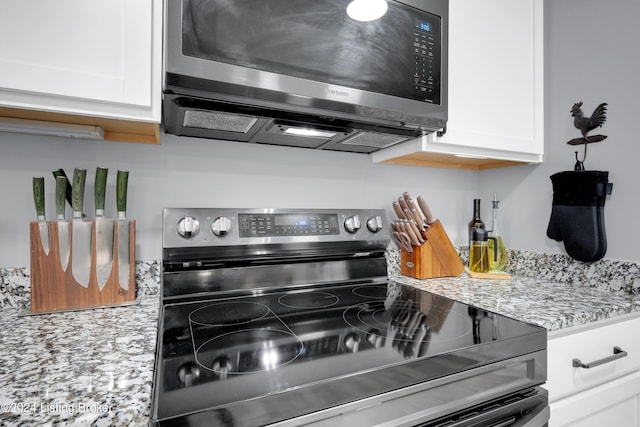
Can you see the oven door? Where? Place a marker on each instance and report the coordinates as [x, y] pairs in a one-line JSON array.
[[528, 408], [505, 393]]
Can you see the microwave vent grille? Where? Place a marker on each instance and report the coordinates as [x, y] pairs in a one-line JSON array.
[[374, 139], [218, 121]]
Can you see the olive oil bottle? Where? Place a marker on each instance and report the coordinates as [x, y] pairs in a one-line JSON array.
[[479, 251], [498, 255]]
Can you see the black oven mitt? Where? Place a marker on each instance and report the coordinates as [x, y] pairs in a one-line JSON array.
[[577, 213]]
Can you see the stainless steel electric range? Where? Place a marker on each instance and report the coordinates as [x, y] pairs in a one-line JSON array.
[[286, 317]]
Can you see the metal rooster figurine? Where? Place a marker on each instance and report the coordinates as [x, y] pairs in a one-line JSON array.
[[586, 125]]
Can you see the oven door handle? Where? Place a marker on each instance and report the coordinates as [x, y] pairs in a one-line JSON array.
[[618, 353]]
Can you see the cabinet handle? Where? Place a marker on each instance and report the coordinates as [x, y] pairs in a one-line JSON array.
[[618, 353]]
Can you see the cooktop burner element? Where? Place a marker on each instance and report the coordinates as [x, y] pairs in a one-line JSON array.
[[370, 292], [228, 313], [310, 300], [288, 327]]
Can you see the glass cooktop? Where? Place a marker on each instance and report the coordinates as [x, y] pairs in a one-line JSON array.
[[342, 342]]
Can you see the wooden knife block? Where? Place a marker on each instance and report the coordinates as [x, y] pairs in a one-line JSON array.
[[54, 289], [435, 258]]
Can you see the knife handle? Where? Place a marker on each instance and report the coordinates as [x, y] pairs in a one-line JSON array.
[[38, 197], [416, 232], [425, 210], [68, 196], [61, 191], [79, 179], [420, 221], [122, 179], [417, 212], [403, 204], [407, 214], [409, 230], [398, 210], [100, 189]]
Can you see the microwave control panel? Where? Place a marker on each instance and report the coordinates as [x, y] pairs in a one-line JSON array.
[[427, 55]]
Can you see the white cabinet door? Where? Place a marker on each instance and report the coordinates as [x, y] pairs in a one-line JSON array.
[[495, 76], [97, 58]]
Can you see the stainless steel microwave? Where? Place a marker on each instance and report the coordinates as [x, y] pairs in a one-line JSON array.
[[304, 73]]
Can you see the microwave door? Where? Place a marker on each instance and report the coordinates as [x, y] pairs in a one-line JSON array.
[[317, 41]]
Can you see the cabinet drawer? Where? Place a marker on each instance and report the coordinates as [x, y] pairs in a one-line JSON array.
[[614, 403], [595, 347]]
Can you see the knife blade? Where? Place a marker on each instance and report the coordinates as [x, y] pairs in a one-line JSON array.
[[82, 232], [63, 224], [43, 226], [425, 210], [104, 230], [124, 226]]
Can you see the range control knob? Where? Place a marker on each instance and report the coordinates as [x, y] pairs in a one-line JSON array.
[[221, 226], [352, 224], [188, 227], [374, 224], [352, 342], [188, 373], [222, 366]]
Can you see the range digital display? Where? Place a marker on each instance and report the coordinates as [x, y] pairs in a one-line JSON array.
[[294, 224]]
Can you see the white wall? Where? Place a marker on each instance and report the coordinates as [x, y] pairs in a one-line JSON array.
[[591, 55], [190, 172]]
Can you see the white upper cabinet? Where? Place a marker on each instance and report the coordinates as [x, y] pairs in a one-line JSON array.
[[495, 90], [99, 58]]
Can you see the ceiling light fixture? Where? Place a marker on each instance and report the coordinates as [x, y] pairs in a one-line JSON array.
[[367, 10], [37, 127]]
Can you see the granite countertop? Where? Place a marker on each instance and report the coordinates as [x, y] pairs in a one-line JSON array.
[[95, 367], [82, 368], [545, 303]]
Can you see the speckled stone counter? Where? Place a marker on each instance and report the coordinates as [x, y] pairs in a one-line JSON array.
[[83, 368], [552, 291], [551, 305]]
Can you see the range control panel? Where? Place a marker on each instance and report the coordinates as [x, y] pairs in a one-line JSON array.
[[192, 227]]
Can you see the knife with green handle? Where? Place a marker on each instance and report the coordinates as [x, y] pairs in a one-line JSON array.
[[82, 232], [67, 191], [124, 226], [64, 244], [38, 198], [104, 231]]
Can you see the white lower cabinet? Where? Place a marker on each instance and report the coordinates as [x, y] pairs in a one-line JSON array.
[[614, 403], [605, 389]]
